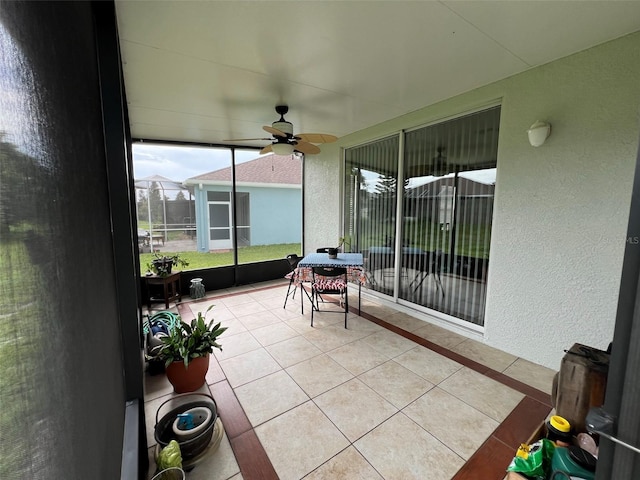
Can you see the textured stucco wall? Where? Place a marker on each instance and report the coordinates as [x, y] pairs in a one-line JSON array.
[[561, 210], [322, 193]]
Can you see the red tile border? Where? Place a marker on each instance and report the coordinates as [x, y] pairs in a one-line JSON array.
[[467, 362], [233, 418], [493, 457], [489, 462], [252, 458], [521, 423]]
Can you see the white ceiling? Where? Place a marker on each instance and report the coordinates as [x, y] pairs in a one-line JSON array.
[[207, 71]]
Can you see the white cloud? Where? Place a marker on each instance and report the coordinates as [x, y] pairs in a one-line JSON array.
[[178, 163]]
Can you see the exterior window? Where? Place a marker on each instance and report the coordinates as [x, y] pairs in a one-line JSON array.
[[218, 196], [436, 253]]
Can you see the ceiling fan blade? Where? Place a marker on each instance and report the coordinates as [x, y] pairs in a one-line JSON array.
[[266, 149], [274, 131], [244, 139], [307, 148], [317, 137]]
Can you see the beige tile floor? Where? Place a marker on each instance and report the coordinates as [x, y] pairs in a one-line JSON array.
[[361, 403]]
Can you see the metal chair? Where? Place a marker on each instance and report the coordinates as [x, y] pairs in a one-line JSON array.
[[425, 264], [329, 281], [293, 261]]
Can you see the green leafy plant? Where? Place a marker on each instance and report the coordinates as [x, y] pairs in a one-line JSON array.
[[161, 264], [343, 241], [333, 252], [188, 341]]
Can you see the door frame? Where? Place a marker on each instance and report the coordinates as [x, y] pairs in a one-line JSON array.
[[226, 243]]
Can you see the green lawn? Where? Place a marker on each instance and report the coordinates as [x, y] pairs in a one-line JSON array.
[[198, 260], [471, 240], [20, 344]]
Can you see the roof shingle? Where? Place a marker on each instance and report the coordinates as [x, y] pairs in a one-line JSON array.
[[278, 169]]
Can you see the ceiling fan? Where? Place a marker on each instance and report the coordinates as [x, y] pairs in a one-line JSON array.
[[284, 142], [437, 167]]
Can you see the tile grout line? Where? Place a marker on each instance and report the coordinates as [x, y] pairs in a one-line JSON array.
[[467, 362], [250, 454], [468, 470], [255, 464]]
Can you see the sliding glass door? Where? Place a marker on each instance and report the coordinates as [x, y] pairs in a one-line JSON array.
[[435, 251], [371, 197]]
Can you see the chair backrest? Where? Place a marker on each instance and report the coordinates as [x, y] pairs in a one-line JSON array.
[[329, 271], [427, 262], [293, 260]]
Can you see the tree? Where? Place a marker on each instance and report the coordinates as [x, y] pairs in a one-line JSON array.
[[155, 201], [143, 206], [386, 186], [21, 198]]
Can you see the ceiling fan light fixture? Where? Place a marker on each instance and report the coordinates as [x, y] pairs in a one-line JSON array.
[[283, 126], [282, 148]]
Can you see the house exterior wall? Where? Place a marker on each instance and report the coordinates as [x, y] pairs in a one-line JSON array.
[[275, 214], [561, 210]]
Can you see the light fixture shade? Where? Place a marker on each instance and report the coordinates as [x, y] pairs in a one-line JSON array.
[[538, 133], [282, 148]]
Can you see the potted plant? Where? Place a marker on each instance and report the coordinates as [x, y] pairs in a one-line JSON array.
[[333, 252], [186, 350], [161, 265]]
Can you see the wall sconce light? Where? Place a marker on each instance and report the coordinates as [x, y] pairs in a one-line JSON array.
[[282, 148], [538, 133]]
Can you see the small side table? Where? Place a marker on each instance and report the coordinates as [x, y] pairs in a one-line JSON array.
[[171, 289]]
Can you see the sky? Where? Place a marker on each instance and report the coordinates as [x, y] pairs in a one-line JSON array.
[[486, 176], [178, 163]]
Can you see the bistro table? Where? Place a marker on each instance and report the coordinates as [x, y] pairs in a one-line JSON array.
[[163, 289], [353, 262]]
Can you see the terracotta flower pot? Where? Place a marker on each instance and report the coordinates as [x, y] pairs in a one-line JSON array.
[[189, 379]]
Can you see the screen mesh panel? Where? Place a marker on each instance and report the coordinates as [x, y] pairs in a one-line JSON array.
[[61, 387]]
